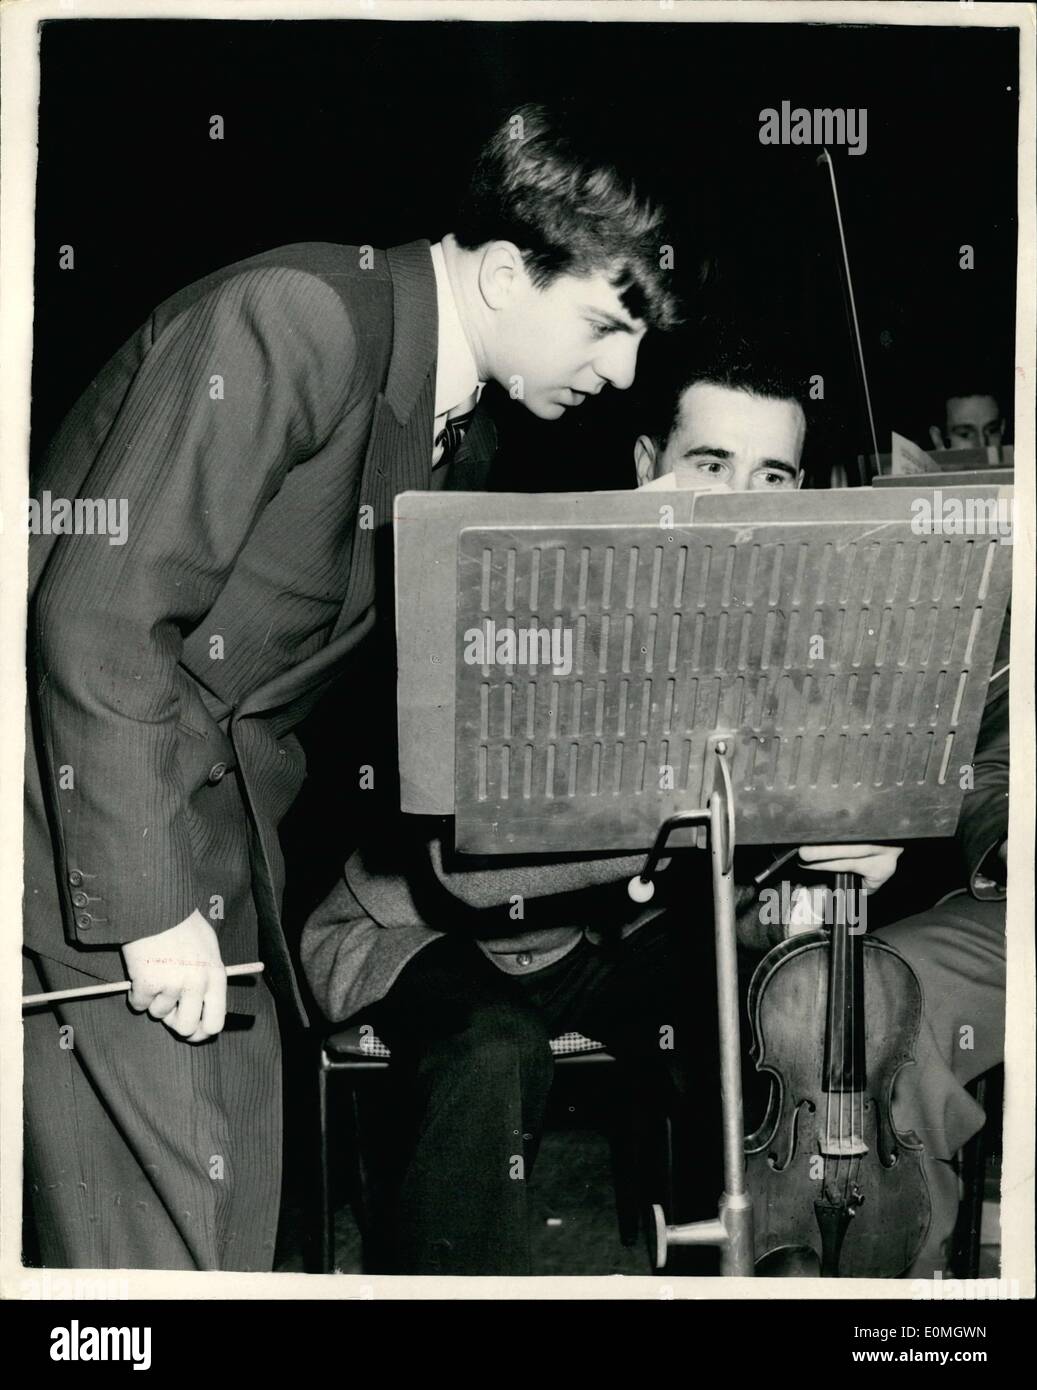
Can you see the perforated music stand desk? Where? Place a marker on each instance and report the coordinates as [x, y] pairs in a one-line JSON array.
[[797, 668]]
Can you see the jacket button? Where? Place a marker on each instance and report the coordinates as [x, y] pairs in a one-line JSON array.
[[75, 878], [79, 899], [84, 920], [524, 958], [216, 772]]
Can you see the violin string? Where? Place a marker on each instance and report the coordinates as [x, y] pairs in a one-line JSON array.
[[859, 890], [851, 966], [837, 1043], [839, 1020], [850, 1033], [827, 1081], [831, 1188], [841, 917], [838, 1032], [858, 1082], [863, 1018]]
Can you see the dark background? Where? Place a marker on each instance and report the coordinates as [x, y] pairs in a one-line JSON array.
[[364, 132]]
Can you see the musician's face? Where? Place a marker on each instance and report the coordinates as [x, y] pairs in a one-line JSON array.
[[727, 439], [552, 346], [973, 422]]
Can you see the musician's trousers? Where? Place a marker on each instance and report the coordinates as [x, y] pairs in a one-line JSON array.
[[957, 949], [144, 1151], [472, 1068]]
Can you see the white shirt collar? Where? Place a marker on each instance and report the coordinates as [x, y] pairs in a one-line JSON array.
[[457, 377]]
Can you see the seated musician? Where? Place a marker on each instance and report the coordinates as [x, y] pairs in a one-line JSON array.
[[957, 947], [468, 971], [972, 419]]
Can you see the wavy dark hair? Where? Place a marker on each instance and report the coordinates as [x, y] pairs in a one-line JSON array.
[[759, 360], [546, 181]]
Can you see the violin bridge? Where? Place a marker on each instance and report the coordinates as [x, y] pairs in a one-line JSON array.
[[843, 1146], [841, 1130]]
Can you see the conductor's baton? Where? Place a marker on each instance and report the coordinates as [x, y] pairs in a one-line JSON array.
[[119, 987]]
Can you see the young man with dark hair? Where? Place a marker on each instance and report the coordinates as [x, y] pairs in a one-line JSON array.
[[562, 196], [256, 428]]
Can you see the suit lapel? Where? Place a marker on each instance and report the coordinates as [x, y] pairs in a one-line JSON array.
[[398, 459], [415, 331]]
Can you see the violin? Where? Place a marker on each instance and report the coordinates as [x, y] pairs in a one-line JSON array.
[[836, 1190]]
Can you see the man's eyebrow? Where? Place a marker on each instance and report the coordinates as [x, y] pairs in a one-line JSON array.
[[617, 324], [780, 463], [707, 451]]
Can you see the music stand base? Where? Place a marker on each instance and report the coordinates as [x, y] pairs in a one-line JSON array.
[[731, 1230]]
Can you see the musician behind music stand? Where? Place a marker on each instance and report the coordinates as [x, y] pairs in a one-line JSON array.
[[972, 419], [343, 940], [693, 647]]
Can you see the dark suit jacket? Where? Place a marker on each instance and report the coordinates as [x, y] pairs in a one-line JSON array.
[[983, 823], [258, 426]]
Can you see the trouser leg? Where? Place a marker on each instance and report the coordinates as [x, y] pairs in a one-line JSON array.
[[655, 1009], [651, 998], [957, 950], [472, 1068], [143, 1151]]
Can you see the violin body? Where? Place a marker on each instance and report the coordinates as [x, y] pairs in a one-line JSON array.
[[836, 1190]]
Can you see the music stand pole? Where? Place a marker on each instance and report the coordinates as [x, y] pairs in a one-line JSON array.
[[732, 1228]]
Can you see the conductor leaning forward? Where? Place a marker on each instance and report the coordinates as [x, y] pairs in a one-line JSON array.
[[166, 675]]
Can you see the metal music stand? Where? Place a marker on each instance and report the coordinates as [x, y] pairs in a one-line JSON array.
[[803, 669]]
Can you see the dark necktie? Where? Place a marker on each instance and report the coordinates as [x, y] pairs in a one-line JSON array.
[[451, 436]]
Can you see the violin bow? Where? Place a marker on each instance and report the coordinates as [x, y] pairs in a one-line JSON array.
[[870, 467]]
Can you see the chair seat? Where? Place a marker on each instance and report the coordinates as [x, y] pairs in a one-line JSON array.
[[361, 1042]]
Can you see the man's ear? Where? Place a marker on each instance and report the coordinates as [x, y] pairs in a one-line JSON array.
[[644, 459], [501, 273], [936, 435], [799, 478]]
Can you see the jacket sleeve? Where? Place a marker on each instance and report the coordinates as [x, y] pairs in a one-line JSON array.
[[482, 884], [237, 389], [983, 823], [412, 875]]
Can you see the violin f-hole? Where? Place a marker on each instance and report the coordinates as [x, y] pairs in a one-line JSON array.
[[774, 1159]]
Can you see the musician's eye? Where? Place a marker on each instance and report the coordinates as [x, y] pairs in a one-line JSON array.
[[714, 468], [599, 330], [773, 477]]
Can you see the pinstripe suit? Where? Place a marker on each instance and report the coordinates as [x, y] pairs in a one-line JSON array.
[[245, 423]]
